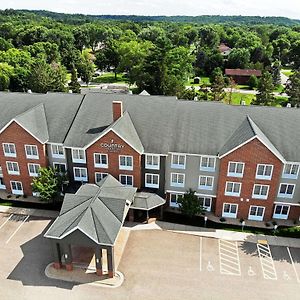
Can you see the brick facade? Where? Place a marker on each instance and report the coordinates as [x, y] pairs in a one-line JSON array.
[[252, 154], [15, 134]]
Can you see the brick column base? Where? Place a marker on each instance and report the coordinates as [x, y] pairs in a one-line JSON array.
[[99, 272], [110, 274], [69, 267], [131, 215], [56, 265]]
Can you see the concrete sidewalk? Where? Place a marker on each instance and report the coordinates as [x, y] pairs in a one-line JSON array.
[[29, 212]]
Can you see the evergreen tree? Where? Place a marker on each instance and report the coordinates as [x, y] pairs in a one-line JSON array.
[[74, 85], [189, 204], [218, 85], [293, 88], [253, 82], [86, 66], [265, 90], [276, 73]]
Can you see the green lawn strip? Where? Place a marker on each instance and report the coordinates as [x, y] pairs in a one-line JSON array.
[[110, 78], [203, 81], [237, 98]]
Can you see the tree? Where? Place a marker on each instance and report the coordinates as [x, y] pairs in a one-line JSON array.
[[276, 73], [48, 184], [232, 86], [189, 204], [265, 90], [218, 85], [6, 72], [239, 58], [86, 66], [253, 82], [293, 88], [74, 85]]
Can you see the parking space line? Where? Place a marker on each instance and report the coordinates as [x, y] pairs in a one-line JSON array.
[[266, 261], [229, 258], [17, 229], [293, 264], [200, 254], [6, 221]]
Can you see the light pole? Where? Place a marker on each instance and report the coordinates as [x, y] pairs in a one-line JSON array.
[[243, 225], [205, 220], [275, 228]]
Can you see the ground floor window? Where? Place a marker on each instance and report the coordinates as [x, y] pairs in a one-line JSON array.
[[229, 210], [256, 213], [99, 176], [281, 211], [80, 174], [152, 181], [60, 167], [173, 200], [16, 187], [205, 202], [2, 185], [126, 180]]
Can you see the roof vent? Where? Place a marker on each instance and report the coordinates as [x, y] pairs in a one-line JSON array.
[[289, 105]]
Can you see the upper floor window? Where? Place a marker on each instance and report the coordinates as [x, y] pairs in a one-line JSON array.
[[126, 180], [208, 163], [12, 168], [31, 152], [9, 150], [57, 151], [286, 190], [80, 174], [291, 171], [152, 162], [233, 189], [260, 191], [152, 181], [125, 162], [99, 176], [101, 160], [264, 171], [206, 182], [78, 156], [235, 169], [33, 170], [60, 167], [177, 179], [178, 161]]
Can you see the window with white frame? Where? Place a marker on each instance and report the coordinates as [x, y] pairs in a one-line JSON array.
[[78, 156], [178, 161], [31, 152], [291, 171], [286, 190], [235, 169], [233, 189], [16, 187], [260, 191], [99, 176], [125, 162], [126, 180], [152, 162], [57, 151], [256, 213], [281, 211], [2, 184], [33, 170], [101, 160], [152, 180], [264, 172], [1, 172], [80, 174], [177, 179], [205, 202], [229, 210], [60, 167], [9, 150], [12, 168], [208, 163], [206, 182], [174, 199]]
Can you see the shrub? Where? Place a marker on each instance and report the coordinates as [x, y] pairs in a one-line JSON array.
[[222, 219], [8, 196]]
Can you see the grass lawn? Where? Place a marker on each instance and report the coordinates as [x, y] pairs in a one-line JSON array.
[[110, 78], [279, 88], [237, 98], [287, 72], [203, 80]]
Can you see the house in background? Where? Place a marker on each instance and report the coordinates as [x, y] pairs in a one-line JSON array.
[[224, 49], [242, 76]]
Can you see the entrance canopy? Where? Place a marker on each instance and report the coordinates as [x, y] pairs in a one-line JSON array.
[[147, 201]]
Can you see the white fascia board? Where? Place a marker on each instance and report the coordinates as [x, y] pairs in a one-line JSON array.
[[286, 203]]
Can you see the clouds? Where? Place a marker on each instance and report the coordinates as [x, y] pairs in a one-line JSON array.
[[287, 8]]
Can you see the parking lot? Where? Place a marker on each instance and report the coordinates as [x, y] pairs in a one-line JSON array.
[[156, 265]]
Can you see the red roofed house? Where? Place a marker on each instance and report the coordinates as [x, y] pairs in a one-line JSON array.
[[242, 76], [224, 49]]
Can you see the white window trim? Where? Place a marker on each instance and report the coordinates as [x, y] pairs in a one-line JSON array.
[[32, 156], [232, 193], [230, 215], [59, 163], [290, 176], [9, 154], [263, 177], [175, 166], [17, 192], [206, 187], [281, 216], [79, 161], [151, 185], [260, 197], [32, 174], [99, 173], [287, 196], [208, 169], [152, 167], [174, 184], [126, 180], [80, 179], [207, 208], [239, 175], [13, 172], [126, 168], [58, 155], [256, 218], [101, 166], [2, 186], [172, 204]]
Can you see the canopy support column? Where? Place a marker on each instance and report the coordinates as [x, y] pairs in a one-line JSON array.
[[98, 258], [110, 262], [68, 257]]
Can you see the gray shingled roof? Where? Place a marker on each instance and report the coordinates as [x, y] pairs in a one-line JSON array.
[[96, 211], [147, 201]]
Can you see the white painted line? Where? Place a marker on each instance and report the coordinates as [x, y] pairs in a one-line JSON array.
[[229, 258], [200, 254], [266, 262], [17, 229], [6, 221], [293, 264]]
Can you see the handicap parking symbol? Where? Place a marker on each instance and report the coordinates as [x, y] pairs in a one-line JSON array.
[[210, 268], [286, 276], [251, 272]]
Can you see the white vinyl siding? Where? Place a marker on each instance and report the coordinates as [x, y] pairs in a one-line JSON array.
[[177, 179], [233, 189], [16, 187], [78, 156], [100, 160], [125, 162], [57, 151], [126, 180], [235, 169], [33, 170], [264, 172], [286, 190], [291, 171], [260, 191], [152, 181], [12, 168], [256, 213], [230, 210], [206, 183], [281, 211], [9, 150], [80, 174], [208, 163], [178, 161], [152, 162]]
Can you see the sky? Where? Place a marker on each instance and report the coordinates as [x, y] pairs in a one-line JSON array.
[[285, 8]]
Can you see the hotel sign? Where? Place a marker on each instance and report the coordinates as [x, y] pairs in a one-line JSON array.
[[112, 146]]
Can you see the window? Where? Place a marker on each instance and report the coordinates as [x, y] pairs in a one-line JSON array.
[[291, 171], [33, 170], [281, 211], [12, 168], [233, 189], [57, 151], [16, 187], [260, 191], [99, 176], [286, 190], [206, 182], [101, 160], [1, 172], [9, 150], [264, 172], [208, 163], [235, 169], [126, 180], [60, 167], [205, 202], [229, 210], [152, 162], [80, 174], [125, 162], [173, 200], [177, 179], [31, 151], [78, 156], [256, 213], [178, 161], [2, 185], [152, 181]]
